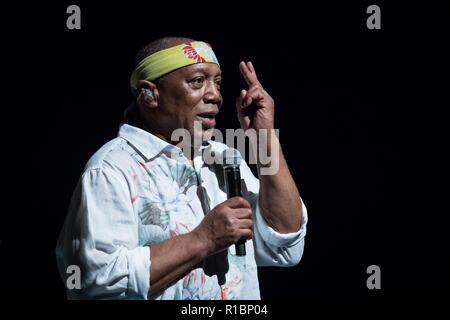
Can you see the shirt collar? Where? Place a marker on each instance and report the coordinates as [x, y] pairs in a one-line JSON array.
[[146, 143], [149, 145]]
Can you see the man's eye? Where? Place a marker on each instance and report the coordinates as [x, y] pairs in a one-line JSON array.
[[198, 80]]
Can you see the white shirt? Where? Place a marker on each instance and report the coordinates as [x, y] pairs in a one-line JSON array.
[[134, 192]]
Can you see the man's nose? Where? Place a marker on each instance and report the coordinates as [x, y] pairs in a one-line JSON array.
[[212, 94]]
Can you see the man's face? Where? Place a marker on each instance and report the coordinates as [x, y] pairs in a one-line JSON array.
[[189, 94]]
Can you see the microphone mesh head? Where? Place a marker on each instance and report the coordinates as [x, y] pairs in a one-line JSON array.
[[231, 158]]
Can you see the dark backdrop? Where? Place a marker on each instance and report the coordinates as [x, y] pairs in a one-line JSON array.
[[363, 118]]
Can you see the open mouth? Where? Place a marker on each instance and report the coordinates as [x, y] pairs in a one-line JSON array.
[[208, 119], [209, 115]]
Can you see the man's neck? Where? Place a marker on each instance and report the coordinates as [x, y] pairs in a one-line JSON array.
[[153, 131]]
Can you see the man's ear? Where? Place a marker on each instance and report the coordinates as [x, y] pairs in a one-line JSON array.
[[147, 94]]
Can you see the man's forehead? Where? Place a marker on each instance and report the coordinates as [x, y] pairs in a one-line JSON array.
[[206, 67]]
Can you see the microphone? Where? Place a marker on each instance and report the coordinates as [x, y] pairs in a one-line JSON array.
[[232, 174]]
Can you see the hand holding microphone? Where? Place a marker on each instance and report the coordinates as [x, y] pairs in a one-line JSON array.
[[228, 223]]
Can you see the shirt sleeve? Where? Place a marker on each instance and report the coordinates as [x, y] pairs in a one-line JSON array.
[[277, 249], [271, 247], [100, 236]]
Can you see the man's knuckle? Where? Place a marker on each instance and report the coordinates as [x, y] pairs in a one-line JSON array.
[[245, 203], [228, 212], [219, 209]]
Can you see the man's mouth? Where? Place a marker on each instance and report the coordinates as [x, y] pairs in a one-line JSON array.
[[208, 119]]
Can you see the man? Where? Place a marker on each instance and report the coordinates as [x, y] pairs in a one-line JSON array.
[[147, 222]]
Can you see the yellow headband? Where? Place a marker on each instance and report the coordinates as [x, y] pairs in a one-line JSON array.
[[167, 60]]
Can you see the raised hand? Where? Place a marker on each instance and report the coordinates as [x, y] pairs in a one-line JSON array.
[[255, 107]]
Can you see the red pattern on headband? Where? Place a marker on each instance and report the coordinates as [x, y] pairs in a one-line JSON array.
[[192, 53]]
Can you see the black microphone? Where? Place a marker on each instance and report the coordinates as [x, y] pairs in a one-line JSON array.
[[232, 174]]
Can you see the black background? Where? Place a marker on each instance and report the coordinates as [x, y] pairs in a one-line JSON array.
[[363, 118]]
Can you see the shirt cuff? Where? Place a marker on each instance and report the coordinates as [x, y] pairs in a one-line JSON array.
[[139, 272], [285, 240]]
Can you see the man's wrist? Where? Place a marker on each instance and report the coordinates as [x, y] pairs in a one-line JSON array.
[[204, 246]]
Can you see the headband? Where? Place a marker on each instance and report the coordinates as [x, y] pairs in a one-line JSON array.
[[167, 60]]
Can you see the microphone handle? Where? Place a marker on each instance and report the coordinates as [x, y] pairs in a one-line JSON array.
[[240, 248], [233, 184]]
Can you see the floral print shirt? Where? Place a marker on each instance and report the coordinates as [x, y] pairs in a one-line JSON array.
[[138, 190]]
